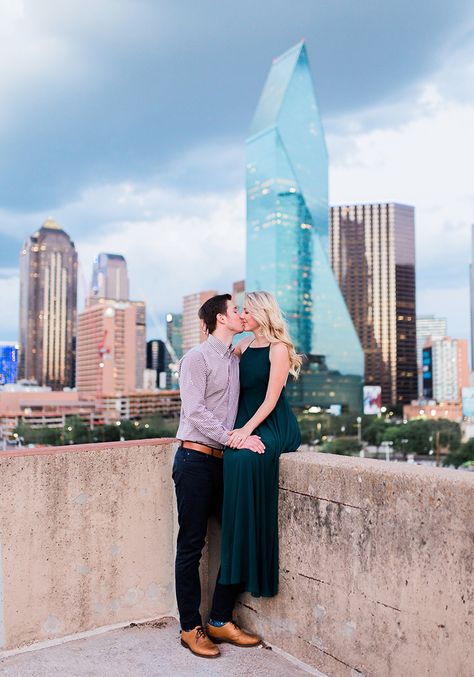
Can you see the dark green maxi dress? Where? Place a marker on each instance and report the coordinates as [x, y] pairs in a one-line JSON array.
[[249, 547]]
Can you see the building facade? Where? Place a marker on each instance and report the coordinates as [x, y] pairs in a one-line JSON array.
[[109, 278], [449, 369], [157, 360], [287, 234], [111, 346], [238, 294], [48, 306], [192, 331], [427, 326], [373, 257], [8, 362]]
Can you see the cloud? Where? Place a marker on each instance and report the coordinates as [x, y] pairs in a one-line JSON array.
[[9, 303], [99, 93], [197, 245], [424, 162]]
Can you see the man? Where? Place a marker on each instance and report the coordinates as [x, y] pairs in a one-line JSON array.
[[209, 386]]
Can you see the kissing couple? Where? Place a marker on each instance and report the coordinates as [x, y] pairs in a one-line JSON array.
[[235, 422]]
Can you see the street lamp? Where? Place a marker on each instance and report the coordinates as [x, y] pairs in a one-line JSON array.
[[359, 429]]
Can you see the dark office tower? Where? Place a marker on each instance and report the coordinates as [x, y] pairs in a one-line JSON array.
[[373, 256], [48, 299], [156, 357], [287, 234], [110, 278]]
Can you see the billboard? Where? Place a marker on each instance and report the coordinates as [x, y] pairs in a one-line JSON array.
[[372, 399], [468, 402]]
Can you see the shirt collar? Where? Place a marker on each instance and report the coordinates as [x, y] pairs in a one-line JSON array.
[[219, 346]]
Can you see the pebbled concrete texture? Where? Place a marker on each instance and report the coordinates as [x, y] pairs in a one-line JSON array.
[[146, 650], [376, 568]]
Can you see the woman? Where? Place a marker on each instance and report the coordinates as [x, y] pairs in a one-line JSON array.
[[249, 551]]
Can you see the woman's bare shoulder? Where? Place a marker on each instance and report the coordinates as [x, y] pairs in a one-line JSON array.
[[278, 349], [242, 345]]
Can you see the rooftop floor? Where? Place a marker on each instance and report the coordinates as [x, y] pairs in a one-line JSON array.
[[146, 650]]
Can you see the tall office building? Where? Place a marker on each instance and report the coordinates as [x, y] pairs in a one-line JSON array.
[[8, 362], [287, 233], [427, 326], [174, 333], [48, 300], [111, 347], [157, 359], [110, 278], [373, 256], [192, 331], [238, 293], [446, 369]]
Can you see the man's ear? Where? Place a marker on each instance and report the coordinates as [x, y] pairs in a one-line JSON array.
[[220, 318]]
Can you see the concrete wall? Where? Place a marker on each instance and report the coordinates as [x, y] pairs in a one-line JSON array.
[[86, 537], [376, 558], [376, 569]]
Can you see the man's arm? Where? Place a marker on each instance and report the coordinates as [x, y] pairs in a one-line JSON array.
[[192, 382]]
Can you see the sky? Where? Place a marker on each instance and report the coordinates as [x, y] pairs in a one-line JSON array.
[[125, 120]]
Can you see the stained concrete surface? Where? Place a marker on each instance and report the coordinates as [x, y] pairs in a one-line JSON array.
[[147, 650]]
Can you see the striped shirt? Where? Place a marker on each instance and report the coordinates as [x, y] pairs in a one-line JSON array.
[[209, 387]]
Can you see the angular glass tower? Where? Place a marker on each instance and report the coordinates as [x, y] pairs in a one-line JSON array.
[[287, 233]]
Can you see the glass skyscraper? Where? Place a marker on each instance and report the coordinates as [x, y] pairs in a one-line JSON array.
[[287, 233]]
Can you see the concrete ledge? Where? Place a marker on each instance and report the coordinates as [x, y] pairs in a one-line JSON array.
[[87, 535], [376, 568]]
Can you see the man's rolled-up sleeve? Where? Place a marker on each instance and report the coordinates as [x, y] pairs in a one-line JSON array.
[[192, 380]]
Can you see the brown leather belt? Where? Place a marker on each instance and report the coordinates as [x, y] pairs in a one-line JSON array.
[[203, 449]]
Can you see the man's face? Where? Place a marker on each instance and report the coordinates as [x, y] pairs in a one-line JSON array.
[[232, 318]]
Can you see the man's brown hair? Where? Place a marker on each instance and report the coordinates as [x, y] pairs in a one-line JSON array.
[[209, 310]]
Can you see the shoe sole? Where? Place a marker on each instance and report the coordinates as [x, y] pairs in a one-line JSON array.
[[200, 655], [229, 641]]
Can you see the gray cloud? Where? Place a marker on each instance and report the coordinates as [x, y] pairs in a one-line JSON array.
[[115, 90]]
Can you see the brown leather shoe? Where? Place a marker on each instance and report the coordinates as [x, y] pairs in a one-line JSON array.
[[199, 643], [231, 633]]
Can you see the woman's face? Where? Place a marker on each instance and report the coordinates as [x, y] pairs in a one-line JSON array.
[[249, 322]]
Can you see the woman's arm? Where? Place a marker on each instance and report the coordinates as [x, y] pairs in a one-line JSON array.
[[279, 368]]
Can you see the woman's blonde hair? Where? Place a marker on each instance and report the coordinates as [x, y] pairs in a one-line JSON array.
[[264, 308]]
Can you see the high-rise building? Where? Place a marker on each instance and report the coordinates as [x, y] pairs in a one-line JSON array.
[[174, 333], [48, 300], [157, 360], [287, 233], [373, 256], [427, 326], [110, 278], [8, 362], [238, 294], [111, 347], [192, 331], [446, 369]]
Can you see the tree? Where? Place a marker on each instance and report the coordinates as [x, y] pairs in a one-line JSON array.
[[464, 453], [344, 446]]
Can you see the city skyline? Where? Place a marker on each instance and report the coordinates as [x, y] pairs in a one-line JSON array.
[[397, 130]]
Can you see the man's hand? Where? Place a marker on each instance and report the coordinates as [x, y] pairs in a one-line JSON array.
[[254, 443]]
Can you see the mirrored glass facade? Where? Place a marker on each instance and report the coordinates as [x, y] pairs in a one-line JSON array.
[[287, 232], [373, 256]]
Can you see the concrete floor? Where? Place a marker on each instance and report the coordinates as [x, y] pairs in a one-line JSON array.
[[146, 650]]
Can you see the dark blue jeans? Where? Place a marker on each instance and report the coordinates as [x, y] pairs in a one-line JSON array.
[[198, 480]]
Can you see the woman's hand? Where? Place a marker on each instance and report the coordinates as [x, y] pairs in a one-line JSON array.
[[238, 436]]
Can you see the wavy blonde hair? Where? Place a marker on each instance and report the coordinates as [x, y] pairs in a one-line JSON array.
[[265, 310]]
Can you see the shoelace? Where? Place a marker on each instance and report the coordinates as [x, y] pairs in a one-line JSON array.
[[200, 633]]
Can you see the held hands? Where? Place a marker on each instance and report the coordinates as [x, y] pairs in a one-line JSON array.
[[242, 438]]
